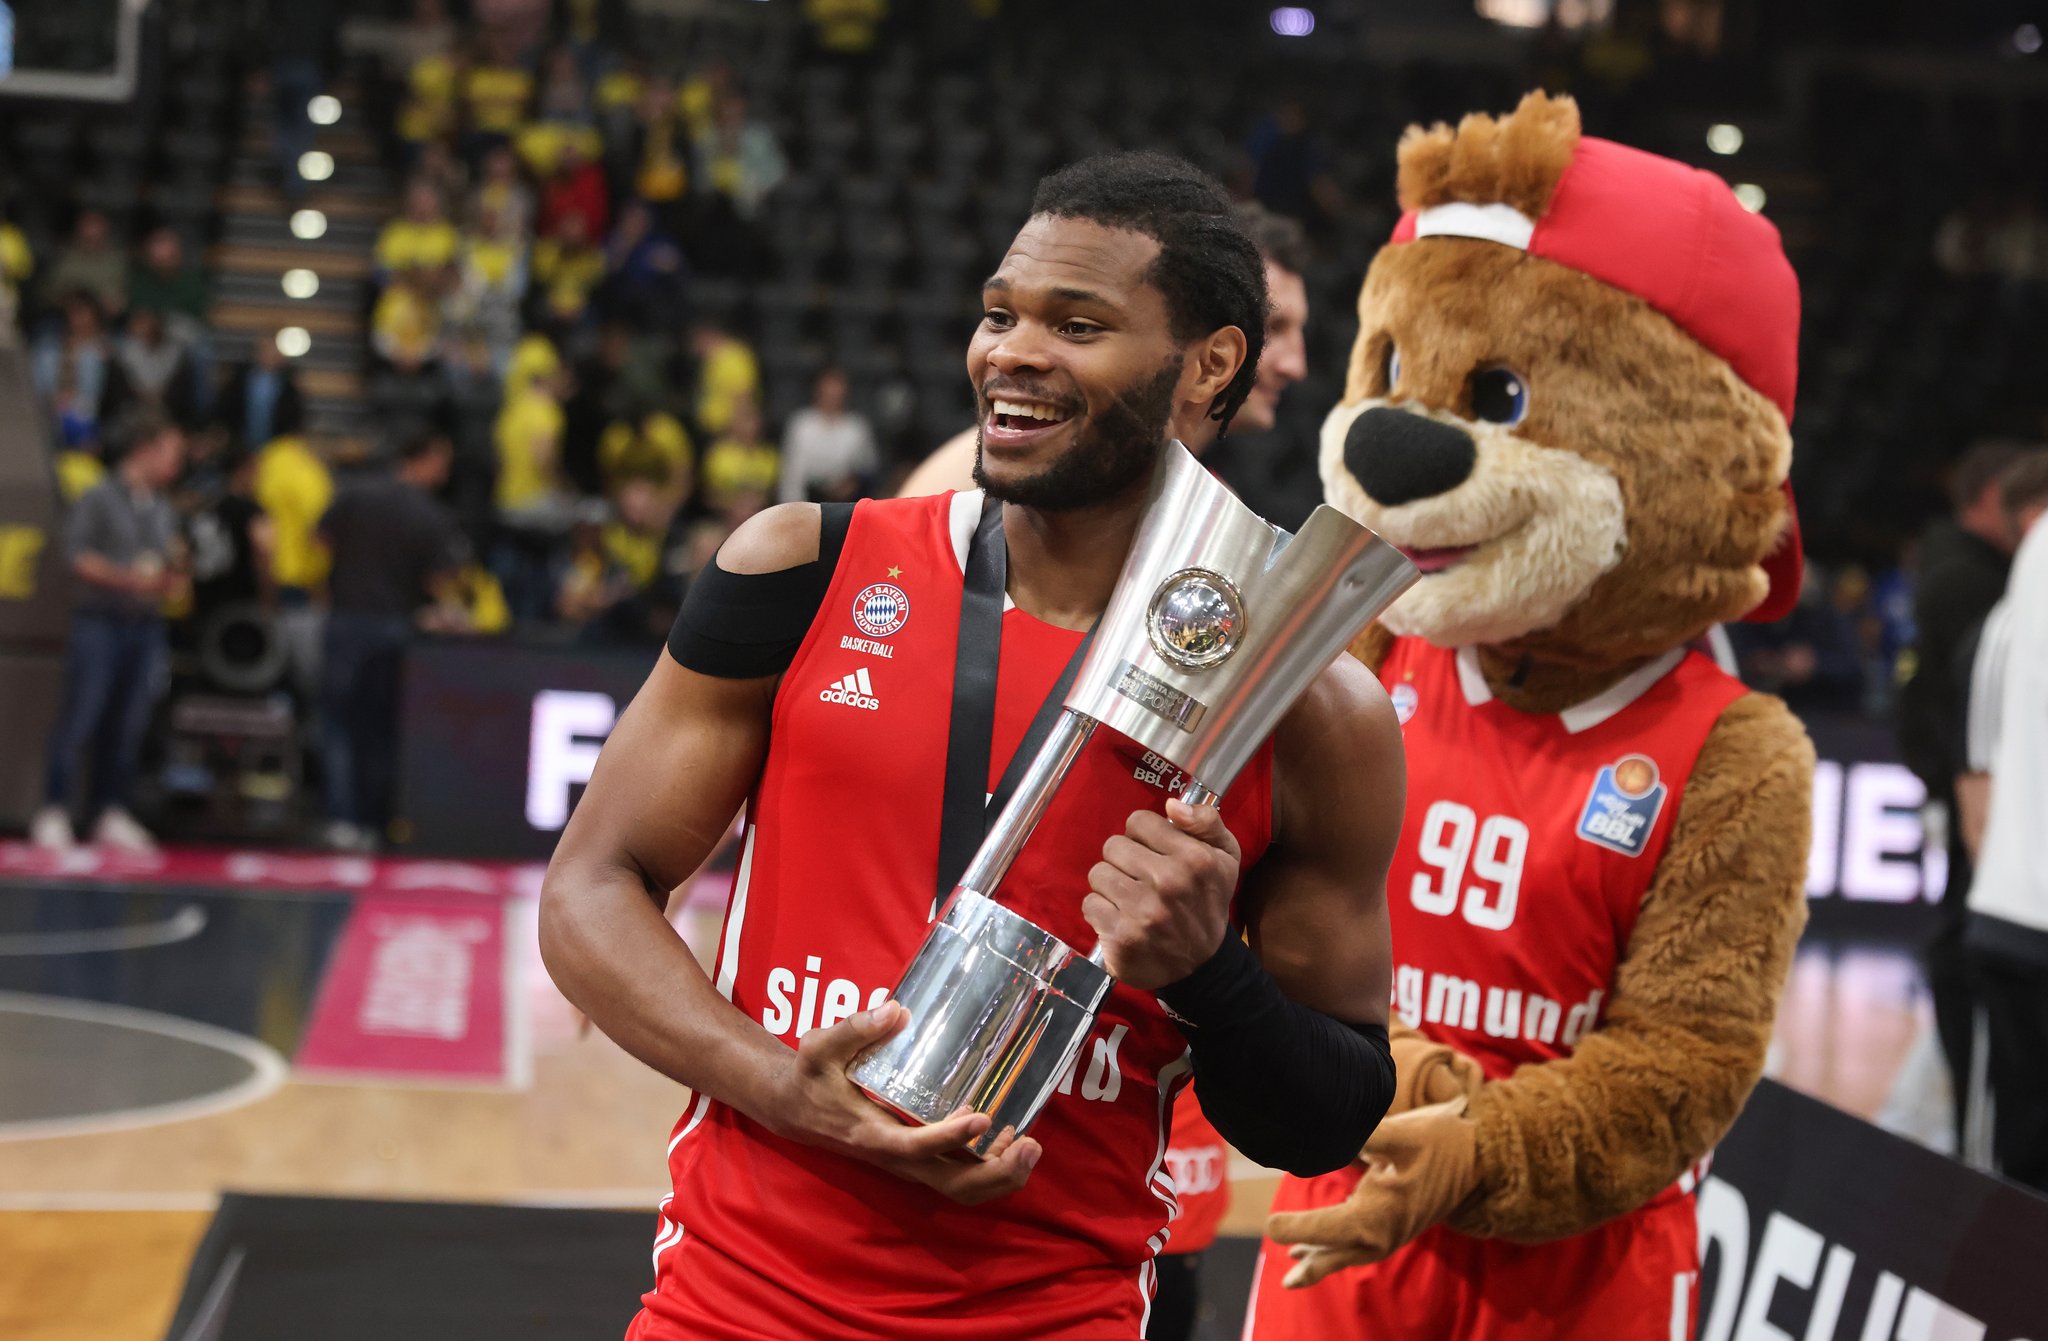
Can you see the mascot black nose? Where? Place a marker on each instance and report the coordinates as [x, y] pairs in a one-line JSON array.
[[1399, 457]]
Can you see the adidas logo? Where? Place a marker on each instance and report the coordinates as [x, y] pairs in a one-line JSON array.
[[854, 691]]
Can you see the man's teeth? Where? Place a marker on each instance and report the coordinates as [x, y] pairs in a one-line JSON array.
[[1019, 410]]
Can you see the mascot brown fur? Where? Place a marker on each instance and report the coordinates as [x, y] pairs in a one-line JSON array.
[[1640, 501]]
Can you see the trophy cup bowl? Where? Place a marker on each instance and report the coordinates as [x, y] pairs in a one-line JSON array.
[[1218, 623]]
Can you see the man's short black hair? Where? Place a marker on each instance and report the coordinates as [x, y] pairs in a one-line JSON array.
[[1979, 468], [2024, 483], [1209, 268], [1280, 239]]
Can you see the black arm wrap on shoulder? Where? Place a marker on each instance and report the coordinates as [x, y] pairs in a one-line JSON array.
[[740, 626], [1291, 1087]]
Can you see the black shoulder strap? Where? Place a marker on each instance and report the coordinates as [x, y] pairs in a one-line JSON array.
[[963, 819], [967, 809]]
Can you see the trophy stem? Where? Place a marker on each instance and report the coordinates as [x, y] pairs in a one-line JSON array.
[[1027, 805]]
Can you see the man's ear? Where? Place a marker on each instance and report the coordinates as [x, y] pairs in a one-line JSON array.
[[1210, 365]]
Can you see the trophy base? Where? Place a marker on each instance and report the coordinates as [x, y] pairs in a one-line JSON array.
[[999, 1008]]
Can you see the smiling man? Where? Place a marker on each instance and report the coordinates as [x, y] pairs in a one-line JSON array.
[[820, 674], [1282, 361]]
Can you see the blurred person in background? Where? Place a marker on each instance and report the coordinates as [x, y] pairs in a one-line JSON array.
[[1964, 558], [739, 158], [17, 264], [91, 261], [159, 369], [828, 450], [261, 398], [655, 447], [396, 553], [644, 271], [420, 237], [574, 190], [405, 326], [501, 190], [122, 540], [657, 152], [231, 542], [727, 374], [568, 265], [490, 285], [742, 462], [293, 487], [533, 510], [430, 110], [2002, 802], [495, 92], [739, 163], [76, 374], [164, 282]]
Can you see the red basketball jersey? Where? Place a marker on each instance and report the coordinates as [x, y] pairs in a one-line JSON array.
[[764, 1238], [1528, 843]]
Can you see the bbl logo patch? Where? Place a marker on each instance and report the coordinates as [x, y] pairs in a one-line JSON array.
[[1405, 701], [880, 610], [1622, 808]]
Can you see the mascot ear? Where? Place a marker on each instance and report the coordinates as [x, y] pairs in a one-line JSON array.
[[1515, 161]]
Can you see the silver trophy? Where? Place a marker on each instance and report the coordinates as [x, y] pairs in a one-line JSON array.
[[1218, 623]]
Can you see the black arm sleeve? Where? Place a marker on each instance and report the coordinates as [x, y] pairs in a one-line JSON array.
[[739, 626], [1291, 1087]]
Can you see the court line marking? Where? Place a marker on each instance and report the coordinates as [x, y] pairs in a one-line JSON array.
[[182, 925], [13, 1202], [267, 1070]]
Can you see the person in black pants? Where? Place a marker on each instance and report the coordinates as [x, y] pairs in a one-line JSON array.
[[396, 553], [121, 537], [1963, 563]]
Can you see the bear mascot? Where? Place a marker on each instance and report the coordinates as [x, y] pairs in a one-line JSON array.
[[1569, 405]]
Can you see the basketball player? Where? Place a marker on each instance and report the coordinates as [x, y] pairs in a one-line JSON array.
[[859, 676], [1197, 1156], [1282, 362]]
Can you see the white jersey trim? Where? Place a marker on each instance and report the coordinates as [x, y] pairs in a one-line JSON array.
[[1580, 716], [728, 966], [962, 516], [1159, 1181]]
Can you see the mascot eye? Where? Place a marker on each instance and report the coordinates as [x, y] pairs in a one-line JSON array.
[[1499, 396], [1390, 369]]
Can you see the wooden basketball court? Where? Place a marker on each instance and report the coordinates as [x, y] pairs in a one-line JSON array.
[[98, 1221]]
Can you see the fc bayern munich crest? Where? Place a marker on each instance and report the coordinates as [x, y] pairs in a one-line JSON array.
[[880, 610]]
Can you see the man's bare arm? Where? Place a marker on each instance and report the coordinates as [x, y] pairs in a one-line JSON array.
[[1317, 905], [1288, 1036], [680, 762]]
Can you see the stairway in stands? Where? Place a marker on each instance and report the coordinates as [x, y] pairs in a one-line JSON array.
[[259, 247]]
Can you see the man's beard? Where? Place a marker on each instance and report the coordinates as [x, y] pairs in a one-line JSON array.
[[1112, 451]]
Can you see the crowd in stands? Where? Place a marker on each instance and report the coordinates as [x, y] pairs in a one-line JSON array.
[[555, 350], [534, 302]]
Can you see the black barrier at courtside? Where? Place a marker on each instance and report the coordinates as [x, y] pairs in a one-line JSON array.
[[1816, 1226]]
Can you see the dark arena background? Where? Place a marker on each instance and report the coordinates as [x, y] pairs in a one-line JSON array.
[[278, 1055]]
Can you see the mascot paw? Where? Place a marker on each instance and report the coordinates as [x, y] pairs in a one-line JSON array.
[[1430, 1073], [1420, 1168]]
